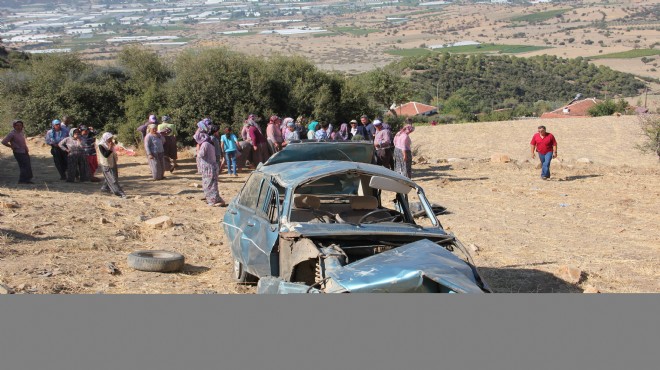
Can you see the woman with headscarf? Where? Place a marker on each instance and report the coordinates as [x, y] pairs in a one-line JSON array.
[[311, 130], [209, 168], [300, 127], [76, 166], [274, 135], [169, 147], [153, 145], [108, 161], [259, 144], [170, 139], [343, 134], [291, 134], [403, 152]]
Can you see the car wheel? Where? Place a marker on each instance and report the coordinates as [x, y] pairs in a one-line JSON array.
[[242, 276], [156, 261]]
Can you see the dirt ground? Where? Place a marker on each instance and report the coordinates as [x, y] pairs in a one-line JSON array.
[[601, 217]]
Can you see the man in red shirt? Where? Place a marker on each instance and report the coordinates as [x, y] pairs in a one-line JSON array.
[[545, 144]]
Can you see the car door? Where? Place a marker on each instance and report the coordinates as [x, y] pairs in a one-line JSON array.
[[238, 215], [261, 230]]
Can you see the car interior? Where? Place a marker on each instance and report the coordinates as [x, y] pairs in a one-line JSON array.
[[346, 198]]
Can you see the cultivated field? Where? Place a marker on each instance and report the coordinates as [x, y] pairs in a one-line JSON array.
[[601, 218]]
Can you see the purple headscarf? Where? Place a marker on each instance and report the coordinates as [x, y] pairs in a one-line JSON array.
[[343, 131]]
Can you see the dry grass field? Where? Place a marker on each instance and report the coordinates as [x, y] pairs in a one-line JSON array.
[[601, 218]]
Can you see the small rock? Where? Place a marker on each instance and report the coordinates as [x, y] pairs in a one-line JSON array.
[[103, 221], [9, 204], [473, 248], [439, 161], [21, 287], [4, 289], [195, 185], [141, 218], [590, 289], [120, 238], [421, 160], [584, 160], [500, 158], [162, 222], [112, 269], [570, 274]]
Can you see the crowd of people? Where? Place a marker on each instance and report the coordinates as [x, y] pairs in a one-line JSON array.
[[77, 153]]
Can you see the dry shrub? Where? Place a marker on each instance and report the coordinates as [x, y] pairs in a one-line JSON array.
[[650, 124]]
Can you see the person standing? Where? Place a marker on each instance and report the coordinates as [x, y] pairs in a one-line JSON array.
[[403, 152], [87, 136], [209, 170], [545, 144], [383, 145], [291, 134], [53, 137], [169, 147], [370, 128], [153, 145], [107, 158], [259, 145], [16, 141], [274, 134], [76, 166], [229, 145], [170, 140]]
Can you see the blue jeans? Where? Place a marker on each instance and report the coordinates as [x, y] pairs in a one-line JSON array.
[[230, 158], [545, 164]]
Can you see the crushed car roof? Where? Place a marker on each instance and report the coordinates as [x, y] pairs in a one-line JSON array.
[[290, 174]]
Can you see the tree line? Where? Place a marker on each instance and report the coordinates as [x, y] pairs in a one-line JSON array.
[[226, 86]]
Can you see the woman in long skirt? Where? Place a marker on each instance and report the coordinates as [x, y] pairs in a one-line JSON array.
[[208, 166], [153, 145], [108, 162], [402, 151]]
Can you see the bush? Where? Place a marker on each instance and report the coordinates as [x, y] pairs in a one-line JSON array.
[[650, 125], [608, 108]]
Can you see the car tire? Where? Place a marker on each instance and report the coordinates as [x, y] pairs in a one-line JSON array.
[[156, 261], [242, 276]]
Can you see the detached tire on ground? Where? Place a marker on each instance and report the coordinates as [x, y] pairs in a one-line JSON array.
[[156, 261]]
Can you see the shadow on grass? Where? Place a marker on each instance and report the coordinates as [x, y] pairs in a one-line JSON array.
[[519, 280]]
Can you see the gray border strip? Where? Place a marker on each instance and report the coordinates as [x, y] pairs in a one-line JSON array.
[[395, 331]]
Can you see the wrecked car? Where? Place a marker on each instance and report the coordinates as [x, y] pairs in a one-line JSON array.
[[336, 226]]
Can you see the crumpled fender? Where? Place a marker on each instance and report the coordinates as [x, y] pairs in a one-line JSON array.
[[407, 268]]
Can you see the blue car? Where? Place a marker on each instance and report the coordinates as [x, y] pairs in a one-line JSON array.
[[303, 224]]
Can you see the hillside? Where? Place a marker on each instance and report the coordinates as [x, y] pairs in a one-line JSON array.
[[500, 81]]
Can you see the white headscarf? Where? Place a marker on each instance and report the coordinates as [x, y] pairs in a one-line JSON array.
[[104, 139]]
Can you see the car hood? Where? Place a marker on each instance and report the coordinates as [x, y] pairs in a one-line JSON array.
[[358, 151], [421, 266], [404, 269]]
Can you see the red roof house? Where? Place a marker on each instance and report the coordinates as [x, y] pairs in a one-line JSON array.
[[413, 109], [574, 109]]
